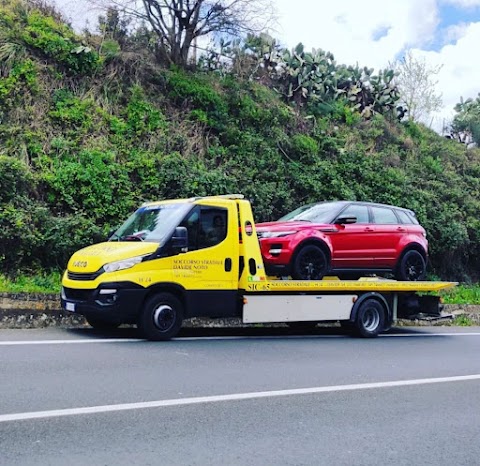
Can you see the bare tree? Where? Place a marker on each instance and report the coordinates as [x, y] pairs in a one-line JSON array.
[[178, 24], [416, 83]]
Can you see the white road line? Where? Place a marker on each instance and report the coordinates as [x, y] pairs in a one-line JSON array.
[[232, 397], [67, 342], [226, 337], [448, 334]]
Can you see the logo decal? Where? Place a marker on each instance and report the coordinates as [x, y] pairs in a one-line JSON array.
[[80, 264]]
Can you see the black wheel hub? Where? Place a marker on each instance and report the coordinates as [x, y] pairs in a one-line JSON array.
[[414, 268], [164, 317], [313, 265]]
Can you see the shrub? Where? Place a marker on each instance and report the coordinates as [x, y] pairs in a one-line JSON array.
[[16, 179], [193, 92], [90, 183], [71, 111], [22, 75], [58, 42]]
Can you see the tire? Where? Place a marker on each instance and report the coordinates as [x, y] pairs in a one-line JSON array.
[[161, 317], [100, 324], [310, 263], [412, 267], [370, 319]]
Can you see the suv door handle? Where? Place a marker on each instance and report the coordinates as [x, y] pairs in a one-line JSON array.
[[369, 229], [401, 229]]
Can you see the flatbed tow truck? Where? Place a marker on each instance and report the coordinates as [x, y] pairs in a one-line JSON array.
[[200, 257]]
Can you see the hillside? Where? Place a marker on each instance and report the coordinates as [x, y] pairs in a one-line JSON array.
[[90, 129]]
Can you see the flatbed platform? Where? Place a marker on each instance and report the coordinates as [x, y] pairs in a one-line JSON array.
[[363, 284]]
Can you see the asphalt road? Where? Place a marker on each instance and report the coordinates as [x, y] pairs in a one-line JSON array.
[[266, 397]]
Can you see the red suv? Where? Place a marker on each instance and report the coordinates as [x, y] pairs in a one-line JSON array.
[[344, 238]]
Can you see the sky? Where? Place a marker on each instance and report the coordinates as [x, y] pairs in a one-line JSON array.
[[375, 33]]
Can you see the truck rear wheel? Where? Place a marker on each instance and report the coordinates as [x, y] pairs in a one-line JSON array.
[[161, 317], [370, 319]]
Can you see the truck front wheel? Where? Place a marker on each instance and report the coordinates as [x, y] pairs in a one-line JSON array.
[[161, 317], [370, 320]]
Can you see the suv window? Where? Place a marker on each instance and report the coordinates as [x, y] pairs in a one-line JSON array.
[[359, 211], [384, 216], [404, 218], [413, 218]]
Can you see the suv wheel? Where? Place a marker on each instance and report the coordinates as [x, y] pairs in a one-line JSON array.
[[310, 263], [412, 267]]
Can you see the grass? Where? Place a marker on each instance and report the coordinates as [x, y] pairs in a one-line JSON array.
[[39, 283], [463, 294], [463, 321]]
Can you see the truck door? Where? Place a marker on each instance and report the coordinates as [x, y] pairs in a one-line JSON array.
[[209, 269]]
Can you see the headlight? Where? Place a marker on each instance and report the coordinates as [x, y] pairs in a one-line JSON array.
[[275, 234], [123, 264]]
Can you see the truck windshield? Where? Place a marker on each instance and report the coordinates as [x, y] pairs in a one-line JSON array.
[[154, 223]]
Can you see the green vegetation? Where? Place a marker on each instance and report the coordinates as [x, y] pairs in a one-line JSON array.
[[463, 321], [463, 294], [92, 126], [44, 283]]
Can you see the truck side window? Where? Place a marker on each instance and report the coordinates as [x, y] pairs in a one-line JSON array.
[[206, 226], [192, 224], [213, 226]]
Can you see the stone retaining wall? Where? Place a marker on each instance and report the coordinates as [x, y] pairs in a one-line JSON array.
[[30, 310]]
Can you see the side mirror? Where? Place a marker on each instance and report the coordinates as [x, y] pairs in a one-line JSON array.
[[345, 220], [180, 238]]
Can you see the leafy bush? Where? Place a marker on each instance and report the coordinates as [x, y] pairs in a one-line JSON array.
[[196, 93], [57, 41], [142, 117], [21, 76], [70, 111], [90, 183], [16, 179]]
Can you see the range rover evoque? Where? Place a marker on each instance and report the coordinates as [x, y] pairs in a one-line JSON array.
[[345, 238]]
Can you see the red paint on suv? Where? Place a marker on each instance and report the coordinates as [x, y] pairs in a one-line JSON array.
[[345, 237]]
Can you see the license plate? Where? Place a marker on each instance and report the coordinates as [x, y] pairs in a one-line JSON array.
[[70, 307]]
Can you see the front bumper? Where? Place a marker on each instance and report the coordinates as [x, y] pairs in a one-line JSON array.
[[111, 302]]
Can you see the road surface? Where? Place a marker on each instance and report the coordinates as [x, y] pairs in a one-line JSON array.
[[231, 397]]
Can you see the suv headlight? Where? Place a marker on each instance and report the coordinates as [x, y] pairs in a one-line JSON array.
[[275, 234], [122, 264]]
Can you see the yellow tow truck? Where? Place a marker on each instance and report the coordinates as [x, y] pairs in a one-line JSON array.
[[200, 257]]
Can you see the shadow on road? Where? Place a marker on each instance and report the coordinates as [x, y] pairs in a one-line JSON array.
[[128, 332]]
